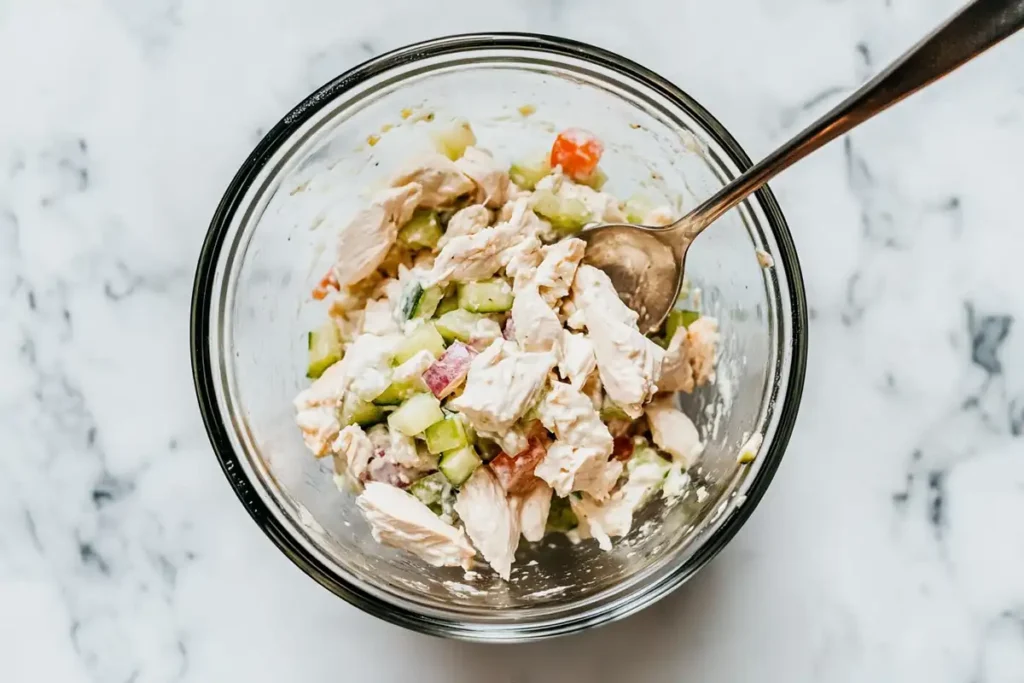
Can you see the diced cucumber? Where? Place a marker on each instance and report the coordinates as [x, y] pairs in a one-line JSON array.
[[526, 175], [457, 325], [422, 231], [356, 411], [637, 207], [610, 411], [450, 302], [428, 303], [486, 296], [324, 349], [645, 455], [396, 393], [677, 319], [459, 464], [487, 449], [423, 337], [447, 435], [416, 414], [566, 216], [411, 296], [595, 180], [429, 489], [560, 515], [452, 142]]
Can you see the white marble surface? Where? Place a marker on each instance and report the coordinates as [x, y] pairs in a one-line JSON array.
[[889, 546]]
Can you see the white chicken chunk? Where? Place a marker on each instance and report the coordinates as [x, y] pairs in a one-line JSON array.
[[629, 363], [578, 459], [532, 509], [467, 221], [502, 384], [674, 432], [537, 328], [489, 520], [577, 361], [352, 453], [472, 257], [398, 519], [440, 180], [316, 409], [378, 318], [367, 364], [555, 274], [411, 371], [490, 177], [690, 357], [614, 517], [592, 288], [364, 243]]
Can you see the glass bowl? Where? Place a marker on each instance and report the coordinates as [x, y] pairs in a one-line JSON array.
[[273, 235]]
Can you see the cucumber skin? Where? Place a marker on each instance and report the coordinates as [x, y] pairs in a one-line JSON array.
[[486, 296]]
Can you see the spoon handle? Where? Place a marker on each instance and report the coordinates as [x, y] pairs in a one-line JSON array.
[[977, 27]]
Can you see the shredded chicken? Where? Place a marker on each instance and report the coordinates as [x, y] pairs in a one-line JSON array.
[[489, 520], [400, 520], [490, 177], [673, 431], [532, 510], [467, 221], [440, 180], [364, 243]]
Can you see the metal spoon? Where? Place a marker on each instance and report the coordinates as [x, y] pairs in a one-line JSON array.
[[646, 263]]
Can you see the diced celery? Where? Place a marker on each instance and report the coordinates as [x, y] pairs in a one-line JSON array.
[[428, 302], [459, 464], [423, 337], [429, 489], [422, 231], [452, 142], [396, 393], [416, 414], [324, 349], [447, 435], [677, 319], [566, 216], [486, 296], [526, 175], [596, 180], [355, 411], [560, 515], [450, 302], [457, 325]]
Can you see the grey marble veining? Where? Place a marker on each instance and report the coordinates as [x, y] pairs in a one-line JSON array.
[[887, 549]]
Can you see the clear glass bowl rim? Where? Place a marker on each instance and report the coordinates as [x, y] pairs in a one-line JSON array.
[[203, 289]]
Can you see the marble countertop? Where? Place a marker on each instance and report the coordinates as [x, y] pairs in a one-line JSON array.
[[887, 549]]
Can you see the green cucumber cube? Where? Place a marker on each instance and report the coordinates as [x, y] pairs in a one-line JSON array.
[[423, 337], [457, 325], [677, 319], [450, 302], [560, 515], [459, 465], [411, 296], [324, 349], [452, 142], [429, 489], [447, 435], [486, 296], [355, 411], [428, 302], [395, 394], [526, 175], [416, 414], [422, 231]]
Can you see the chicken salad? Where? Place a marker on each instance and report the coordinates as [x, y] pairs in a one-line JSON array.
[[475, 382]]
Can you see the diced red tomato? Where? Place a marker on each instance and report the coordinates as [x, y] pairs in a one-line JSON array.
[[577, 152], [327, 284]]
